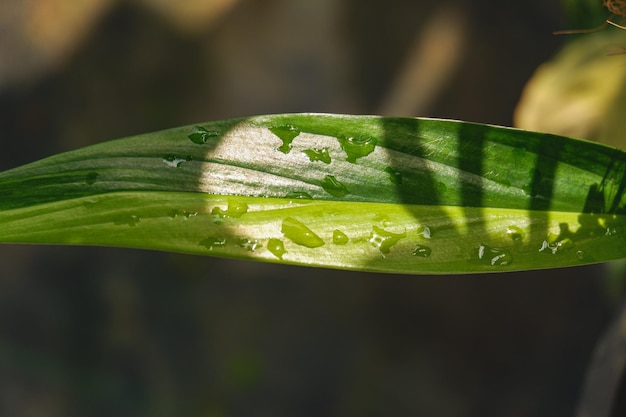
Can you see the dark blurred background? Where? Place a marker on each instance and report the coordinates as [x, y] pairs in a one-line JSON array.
[[114, 332]]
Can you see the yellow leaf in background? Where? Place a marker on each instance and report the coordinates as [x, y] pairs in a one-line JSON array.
[[581, 92], [190, 15]]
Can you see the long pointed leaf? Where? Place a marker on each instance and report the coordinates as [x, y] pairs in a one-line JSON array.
[[355, 192]]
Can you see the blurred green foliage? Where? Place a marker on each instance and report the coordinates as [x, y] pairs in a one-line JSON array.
[[584, 14]]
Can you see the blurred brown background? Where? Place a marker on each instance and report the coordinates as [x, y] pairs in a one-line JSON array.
[[113, 332]]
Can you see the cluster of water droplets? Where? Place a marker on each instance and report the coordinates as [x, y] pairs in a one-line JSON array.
[[494, 256], [354, 148], [380, 237]]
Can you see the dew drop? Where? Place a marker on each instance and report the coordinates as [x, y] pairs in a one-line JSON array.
[[422, 251], [201, 136], [277, 247], [515, 233], [174, 161], [384, 240], [317, 154], [235, 210], [355, 147], [339, 237], [91, 178], [213, 242], [333, 187], [493, 256], [394, 176], [299, 195], [297, 232], [249, 244], [286, 133]]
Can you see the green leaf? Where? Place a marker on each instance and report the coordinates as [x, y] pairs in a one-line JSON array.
[[402, 195]]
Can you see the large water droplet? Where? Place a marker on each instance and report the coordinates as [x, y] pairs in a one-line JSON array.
[[333, 187], [493, 256], [213, 242], [297, 232], [201, 136], [357, 147], [174, 161], [277, 247], [339, 237], [91, 178], [286, 133], [384, 240], [422, 251], [394, 176], [235, 210], [317, 154]]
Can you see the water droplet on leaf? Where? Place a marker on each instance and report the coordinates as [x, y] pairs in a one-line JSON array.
[[339, 237], [186, 214], [129, 220], [333, 187], [299, 195], [557, 246], [249, 244], [493, 256], [277, 247], [515, 233], [200, 135], [584, 257], [297, 232], [423, 231], [356, 147], [213, 242], [235, 210], [384, 240], [286, 133], [317, 154], [421, 250], [174, 161]]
